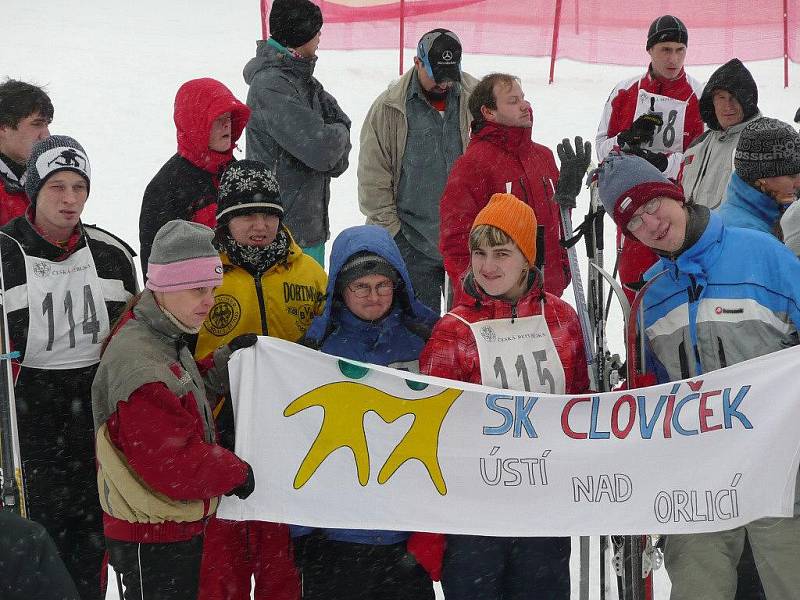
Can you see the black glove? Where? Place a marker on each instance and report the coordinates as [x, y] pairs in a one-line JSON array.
[[242, 341], [641, 130], [245, 489], [574, 164], [797, 116], [657, 159]]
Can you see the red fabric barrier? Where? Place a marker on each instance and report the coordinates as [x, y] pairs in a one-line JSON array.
[[593, 31]]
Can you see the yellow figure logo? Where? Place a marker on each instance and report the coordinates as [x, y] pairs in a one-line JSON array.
[[346, 403]]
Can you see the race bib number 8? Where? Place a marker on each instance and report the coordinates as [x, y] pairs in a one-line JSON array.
[[669, 137]]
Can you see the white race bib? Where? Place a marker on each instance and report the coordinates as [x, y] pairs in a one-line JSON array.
[[669, 137], [518, 355], [67, 316]]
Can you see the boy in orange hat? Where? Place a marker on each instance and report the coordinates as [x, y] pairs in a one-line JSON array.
[[507, 332]]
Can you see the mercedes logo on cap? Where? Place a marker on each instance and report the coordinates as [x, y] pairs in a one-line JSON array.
[[447, 55]]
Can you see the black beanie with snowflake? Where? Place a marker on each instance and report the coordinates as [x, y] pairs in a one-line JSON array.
[[247, 186]]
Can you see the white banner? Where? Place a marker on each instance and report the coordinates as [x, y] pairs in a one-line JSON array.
[[339, 444]]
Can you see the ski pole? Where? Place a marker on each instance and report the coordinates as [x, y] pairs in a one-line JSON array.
[[13, 485]]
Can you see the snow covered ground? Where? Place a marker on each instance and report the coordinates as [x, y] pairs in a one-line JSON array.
[[112, 69]]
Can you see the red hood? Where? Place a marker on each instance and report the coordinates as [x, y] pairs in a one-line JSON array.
[[197, 103]]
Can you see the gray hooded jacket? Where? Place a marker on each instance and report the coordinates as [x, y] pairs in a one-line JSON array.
[[298, 129]]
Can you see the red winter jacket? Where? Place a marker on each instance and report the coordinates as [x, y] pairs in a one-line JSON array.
[[451, 351], [497, 155], [13, 199], [162, 439], [186, 186], [618, 113]]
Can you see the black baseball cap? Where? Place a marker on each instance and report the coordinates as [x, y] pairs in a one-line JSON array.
[[440, 53]]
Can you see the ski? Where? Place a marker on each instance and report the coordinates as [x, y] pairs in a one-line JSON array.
[[637, 552], [583, 317], [11, 479], [608, 366]]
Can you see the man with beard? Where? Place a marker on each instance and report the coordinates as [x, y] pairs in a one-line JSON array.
[[412, 135]]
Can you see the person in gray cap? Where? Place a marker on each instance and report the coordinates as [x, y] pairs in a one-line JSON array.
[[413, 133], [297, 128], [728, 104], [709, 263], [160, 470], [64, 283]]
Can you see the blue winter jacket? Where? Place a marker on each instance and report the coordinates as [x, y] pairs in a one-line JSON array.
[[732, 296], [395, 341], [747, 207]]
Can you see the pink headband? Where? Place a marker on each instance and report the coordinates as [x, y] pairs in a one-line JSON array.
[[185, 274]]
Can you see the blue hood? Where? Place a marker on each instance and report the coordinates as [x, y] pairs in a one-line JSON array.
[[747, 207], [369, 238]]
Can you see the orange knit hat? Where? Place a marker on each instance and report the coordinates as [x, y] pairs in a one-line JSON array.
[[515, 218]]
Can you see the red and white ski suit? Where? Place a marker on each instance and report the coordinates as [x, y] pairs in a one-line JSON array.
[[618, 115]]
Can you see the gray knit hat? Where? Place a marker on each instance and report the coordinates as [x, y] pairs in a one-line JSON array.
[[626, 182], [362, 264], [183, 257], [767, 148], [51, 155]]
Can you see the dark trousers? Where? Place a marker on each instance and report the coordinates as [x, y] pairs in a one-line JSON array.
[[426, 273], [347, 571], [165, 571], [504, 568], [56, 435]]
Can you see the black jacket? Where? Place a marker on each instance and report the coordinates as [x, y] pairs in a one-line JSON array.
[[54, 406], [180, 190], [30, 567]]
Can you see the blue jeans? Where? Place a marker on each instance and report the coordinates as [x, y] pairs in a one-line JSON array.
[[506, 568]]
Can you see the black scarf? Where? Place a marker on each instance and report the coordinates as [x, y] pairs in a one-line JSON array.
[[257, 260]]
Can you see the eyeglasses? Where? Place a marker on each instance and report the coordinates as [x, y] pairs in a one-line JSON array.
[[650, 207], [363, 290]]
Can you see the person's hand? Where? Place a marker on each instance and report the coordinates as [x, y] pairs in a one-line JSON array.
[[641, 130], [242, 341], [244, 489], [574, 164], [657, 159]]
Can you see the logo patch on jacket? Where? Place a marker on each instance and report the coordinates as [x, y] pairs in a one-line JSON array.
[[224, 315]]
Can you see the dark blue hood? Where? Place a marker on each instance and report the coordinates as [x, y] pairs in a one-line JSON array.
[[369, 238]]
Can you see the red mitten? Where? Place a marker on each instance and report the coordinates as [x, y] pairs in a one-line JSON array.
[[428, 549]]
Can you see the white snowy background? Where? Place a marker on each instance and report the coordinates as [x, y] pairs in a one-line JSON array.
[[112, 69]]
